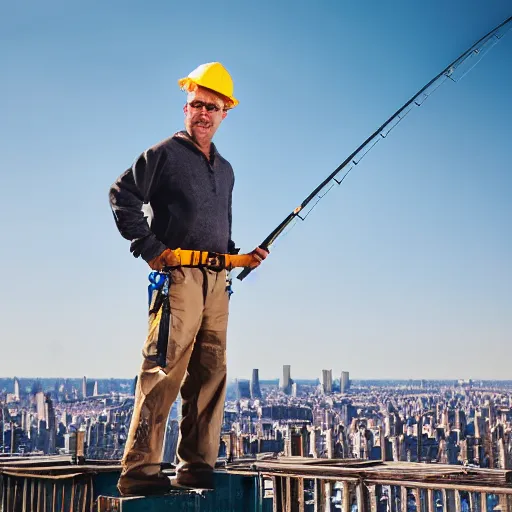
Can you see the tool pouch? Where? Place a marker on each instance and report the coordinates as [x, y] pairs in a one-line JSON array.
[[155, 347]]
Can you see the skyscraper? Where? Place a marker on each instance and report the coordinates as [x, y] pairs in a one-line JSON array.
[[84, 387], [243, 389], [40, 406], [327, 381], [89, 388], [286, 383], [16, 388], [255, 384], [51, 425], [344, 382]]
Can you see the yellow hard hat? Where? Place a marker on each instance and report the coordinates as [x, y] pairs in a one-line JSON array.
[[212, 75]]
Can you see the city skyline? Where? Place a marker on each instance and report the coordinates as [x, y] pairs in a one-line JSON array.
[[338, 378], [402, 272]]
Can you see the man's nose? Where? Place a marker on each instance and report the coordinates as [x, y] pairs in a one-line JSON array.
[[204, 114]]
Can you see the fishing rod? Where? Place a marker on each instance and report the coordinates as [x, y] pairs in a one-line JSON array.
[[452, 72]]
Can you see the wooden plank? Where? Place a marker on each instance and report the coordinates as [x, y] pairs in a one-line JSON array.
[[319, 504], [288, 492], [361, 501], [403, 499], [39, 484], [32, 494], [91, 495], [398, 471], [54, 497], [63, 502], [372, 492], [430, 500], [72, 499], [346, 497], [298, 474], [483, 502], [505, 502], [24, 496], [458, 503], [299, 485], [448, 486], [327, 495]]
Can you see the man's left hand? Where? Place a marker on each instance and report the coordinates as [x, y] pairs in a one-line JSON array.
[[250, 260], [258, 255]]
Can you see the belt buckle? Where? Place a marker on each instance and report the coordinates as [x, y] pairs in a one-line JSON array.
[[215, 262]]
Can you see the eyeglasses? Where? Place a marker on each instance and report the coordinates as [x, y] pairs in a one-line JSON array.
[[210, 107]]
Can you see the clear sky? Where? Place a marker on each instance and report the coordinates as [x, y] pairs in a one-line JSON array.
[[402, 272]]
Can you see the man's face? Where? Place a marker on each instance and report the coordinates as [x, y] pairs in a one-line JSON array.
[[204, 111]]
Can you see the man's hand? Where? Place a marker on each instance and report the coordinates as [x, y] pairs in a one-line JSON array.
[[165, 259], [250, 260], [258, 255]]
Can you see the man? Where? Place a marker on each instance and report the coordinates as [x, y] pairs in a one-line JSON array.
[[188, 185]]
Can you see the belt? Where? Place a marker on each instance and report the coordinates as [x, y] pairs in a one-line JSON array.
[[211, 260]]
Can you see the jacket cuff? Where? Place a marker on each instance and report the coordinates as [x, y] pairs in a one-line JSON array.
[[148, 248]]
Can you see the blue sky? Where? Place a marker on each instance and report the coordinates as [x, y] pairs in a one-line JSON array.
[[402, 272]]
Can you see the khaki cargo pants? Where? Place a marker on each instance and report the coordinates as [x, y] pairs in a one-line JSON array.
[[196, 366]]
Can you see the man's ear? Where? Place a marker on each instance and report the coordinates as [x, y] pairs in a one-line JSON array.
[[224, 114], [185, 108]]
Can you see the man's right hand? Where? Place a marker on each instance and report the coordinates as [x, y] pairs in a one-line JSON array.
[[166, 259]]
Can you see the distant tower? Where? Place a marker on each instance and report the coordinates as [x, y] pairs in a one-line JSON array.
[[344, 382], [40, 406], [243, 389], [89, 388], [84, 387], [134, 386], [51, 425], [255, 384], [286, 384], [327, 381], [95, 389], [16, 388]]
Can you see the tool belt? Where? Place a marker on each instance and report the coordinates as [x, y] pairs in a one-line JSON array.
[[210, 260]]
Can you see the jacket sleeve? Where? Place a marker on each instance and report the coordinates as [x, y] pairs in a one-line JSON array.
[[127, 195]]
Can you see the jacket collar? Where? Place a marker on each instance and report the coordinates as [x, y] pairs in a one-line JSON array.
[[184, 137]]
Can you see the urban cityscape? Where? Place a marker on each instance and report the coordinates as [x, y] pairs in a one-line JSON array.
[[460, 422]]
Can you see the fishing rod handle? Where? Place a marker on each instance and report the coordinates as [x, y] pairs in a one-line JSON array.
[[245, 272]]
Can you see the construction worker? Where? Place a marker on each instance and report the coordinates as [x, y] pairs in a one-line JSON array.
[[188, 186]]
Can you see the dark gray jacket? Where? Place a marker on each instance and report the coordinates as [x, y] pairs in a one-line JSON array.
[[189, 195]]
